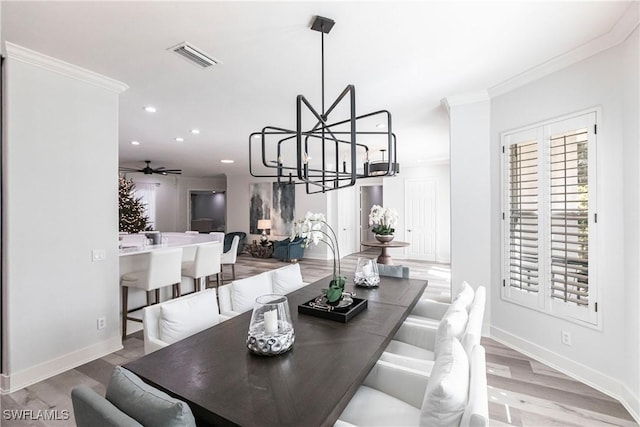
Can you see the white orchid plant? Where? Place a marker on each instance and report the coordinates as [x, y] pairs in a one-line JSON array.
[[310, 228], [382, 220]]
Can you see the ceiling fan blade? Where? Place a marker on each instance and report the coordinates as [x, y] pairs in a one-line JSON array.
[[129, 169]]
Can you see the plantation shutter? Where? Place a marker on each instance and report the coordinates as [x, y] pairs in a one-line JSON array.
[[549, 217], [523, 255], [569, 216]]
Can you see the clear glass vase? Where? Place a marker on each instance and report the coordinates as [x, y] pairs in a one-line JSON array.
[[271, 329], [366, 274]]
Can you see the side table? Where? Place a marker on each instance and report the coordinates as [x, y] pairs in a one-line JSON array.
[[384, 257], [260, 251]]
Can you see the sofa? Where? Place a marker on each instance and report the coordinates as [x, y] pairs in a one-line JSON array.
[[178, 318], [239, 296], [288, 250], [129, 402]]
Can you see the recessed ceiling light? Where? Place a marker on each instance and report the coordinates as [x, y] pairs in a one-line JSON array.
[[150, 109], [195, 131], [135, 142], [179, 139], [227, 161]]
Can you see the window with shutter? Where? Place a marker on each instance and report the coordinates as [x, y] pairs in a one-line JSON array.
[[549, 222], [523, 216], [569, 231]]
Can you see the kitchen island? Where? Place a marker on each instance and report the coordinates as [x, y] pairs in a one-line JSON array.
[[134, 256]]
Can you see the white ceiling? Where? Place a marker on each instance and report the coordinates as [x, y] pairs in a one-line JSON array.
[[401, 56]]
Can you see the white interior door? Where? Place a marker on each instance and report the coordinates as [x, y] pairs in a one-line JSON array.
[[420, 219], [347, 225]]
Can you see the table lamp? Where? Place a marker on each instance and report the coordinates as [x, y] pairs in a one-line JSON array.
[[264, 225]]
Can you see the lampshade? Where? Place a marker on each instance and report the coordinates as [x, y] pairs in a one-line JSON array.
[[264, 224]]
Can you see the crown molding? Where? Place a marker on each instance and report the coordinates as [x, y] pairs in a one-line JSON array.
[[19, 53], [618, 34], [465, 98]]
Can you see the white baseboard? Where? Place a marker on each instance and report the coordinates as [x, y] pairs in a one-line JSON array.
[[443, 260], [18, 380], [582, 373]]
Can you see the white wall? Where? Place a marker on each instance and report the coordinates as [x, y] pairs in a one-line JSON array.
[[606, 357], [631, 133], [470, 191], [172, 197], [394, 197], [60, 124]]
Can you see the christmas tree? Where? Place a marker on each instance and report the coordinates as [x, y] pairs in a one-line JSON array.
[[132, 216]]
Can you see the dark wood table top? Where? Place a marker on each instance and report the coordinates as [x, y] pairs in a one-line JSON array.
[[225, 384]]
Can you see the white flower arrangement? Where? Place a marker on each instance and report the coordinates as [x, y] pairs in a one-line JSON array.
[[310, 228], [383, 220]]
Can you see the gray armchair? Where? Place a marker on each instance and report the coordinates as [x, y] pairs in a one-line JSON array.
[[130, 402], [288, 250]]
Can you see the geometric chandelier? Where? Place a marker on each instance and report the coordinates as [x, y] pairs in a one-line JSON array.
[[321, 153]]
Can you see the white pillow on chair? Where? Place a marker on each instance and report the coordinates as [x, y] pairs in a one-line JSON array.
[[452, 325], [447, 390], [287, 279], [245, 291], [465, 296], [182, 318]]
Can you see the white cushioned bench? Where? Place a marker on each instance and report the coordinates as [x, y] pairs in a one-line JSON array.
[[240, 295], [176, 319]]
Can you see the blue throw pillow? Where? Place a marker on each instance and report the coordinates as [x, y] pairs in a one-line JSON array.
[[147, 405]]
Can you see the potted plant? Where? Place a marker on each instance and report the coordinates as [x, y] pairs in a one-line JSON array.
[[382, 220], [310, 228]]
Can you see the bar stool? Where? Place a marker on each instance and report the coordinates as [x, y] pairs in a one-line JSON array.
[[163, 270], [217, 236], [205, 264], [229, 258]]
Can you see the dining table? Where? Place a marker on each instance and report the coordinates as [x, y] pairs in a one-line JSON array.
[[225, 384]]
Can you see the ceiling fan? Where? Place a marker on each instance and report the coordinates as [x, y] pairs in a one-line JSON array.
[[148, 170]]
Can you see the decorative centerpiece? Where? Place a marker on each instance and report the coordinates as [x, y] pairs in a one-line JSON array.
[[271, 329], [382, 220], [366, 274], [311, 230]]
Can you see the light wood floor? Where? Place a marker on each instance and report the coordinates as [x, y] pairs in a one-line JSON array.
[[522, 391]]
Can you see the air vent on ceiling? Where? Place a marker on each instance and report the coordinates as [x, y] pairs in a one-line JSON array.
[[194, 55]]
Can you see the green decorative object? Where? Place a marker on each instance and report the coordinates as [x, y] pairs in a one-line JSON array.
[[310, 228], [336, 287], [131, 208]]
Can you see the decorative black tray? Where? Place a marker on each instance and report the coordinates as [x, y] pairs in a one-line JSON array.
[[339, 314]]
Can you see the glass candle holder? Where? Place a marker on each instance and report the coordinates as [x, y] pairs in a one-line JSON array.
[[366, 274], [271, 330]]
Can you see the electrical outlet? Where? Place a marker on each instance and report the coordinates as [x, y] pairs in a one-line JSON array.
[[102, 322], [98, 255], [566, 338]]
